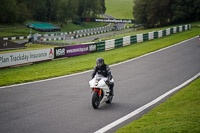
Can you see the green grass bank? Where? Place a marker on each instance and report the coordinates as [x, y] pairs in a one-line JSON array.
[[121, 9]]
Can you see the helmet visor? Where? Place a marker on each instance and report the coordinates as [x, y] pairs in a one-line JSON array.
[[99, 64]]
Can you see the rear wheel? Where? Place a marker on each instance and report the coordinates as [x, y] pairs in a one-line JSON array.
[[95, 100]]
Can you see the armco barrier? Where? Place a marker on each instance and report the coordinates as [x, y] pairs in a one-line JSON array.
[[58, 33], [164, 33], [126, 40], [15, 38], [145, 37], [155, 35], [171, 30], [133, 39], [116, 43], [139, 37], [150, 34], [109, 44], [101, 46]]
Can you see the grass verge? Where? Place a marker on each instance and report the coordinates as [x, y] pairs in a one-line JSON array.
[[85, 62], [179, 114], [72, 27], [121, 9]]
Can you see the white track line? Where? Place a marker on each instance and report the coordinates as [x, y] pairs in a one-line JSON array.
[[137, 111], [91, 70]]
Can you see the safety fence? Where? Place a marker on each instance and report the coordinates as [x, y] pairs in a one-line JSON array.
[[57, 38], [93, 30], [16, 58], [74, 32], [16, 38], [128, 40]]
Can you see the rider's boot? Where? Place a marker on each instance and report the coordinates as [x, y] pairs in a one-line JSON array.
[[111, 90]]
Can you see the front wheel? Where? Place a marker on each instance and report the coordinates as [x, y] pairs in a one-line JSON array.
[[95, 100]]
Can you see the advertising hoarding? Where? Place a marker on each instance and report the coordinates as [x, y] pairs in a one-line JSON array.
[[75, 50], [16, 58]]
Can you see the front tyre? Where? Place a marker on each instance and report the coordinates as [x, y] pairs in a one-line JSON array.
[[95, 100]]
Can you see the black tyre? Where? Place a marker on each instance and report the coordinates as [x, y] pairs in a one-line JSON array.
[[109, 100], [95, 100]]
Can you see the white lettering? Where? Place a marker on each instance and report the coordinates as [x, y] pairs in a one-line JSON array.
[[60, 52], [77, 50]]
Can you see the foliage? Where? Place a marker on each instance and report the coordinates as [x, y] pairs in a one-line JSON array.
[[153, 13], [8, 10], [62, 11]]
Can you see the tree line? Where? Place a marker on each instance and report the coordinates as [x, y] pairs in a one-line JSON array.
[[61, 11], [157, 13]]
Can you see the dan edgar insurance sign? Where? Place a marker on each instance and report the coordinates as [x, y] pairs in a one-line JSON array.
[[10, 59]]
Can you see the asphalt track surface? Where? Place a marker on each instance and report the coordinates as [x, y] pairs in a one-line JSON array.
[[64, 105]]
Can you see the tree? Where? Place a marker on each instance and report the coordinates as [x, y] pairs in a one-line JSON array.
[[23, 13], [40, 10], [52, 8], [8, 11], [158, 13], [90, 8], [103, 6], [139, 11], [185, 10], [67, 11], [60, 11], [152, 13]]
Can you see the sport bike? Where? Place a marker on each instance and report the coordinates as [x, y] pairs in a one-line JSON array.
[[100, 91]]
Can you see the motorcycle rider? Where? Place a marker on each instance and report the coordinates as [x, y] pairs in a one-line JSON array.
[[104, 70]]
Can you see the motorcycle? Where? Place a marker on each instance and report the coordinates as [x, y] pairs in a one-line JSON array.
[[100, 90]]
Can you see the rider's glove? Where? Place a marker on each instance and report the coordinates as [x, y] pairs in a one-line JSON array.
[[107, 82]]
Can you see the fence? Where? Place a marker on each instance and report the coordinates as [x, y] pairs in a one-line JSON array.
[[93, 30], [128, 40]]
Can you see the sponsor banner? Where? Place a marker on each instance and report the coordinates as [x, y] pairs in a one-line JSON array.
[[76, 50], [59, 52], [108, 20], [10, 59], [92, 47], [109, 44]]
